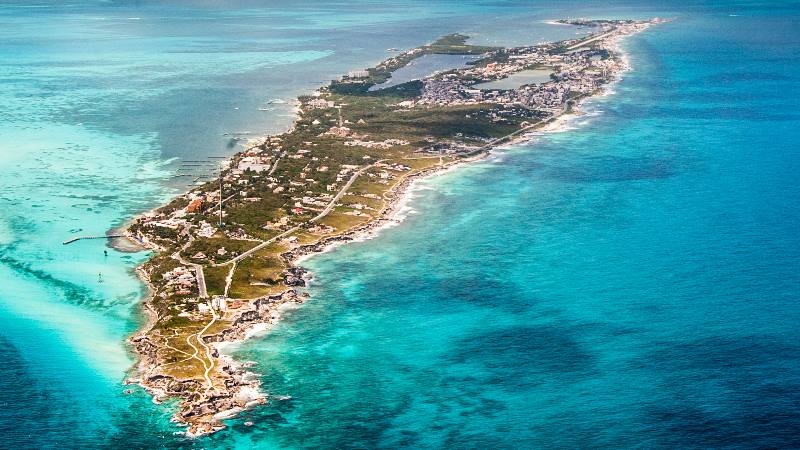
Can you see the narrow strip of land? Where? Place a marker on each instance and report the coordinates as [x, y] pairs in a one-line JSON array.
[[337, 173], [590, 40]]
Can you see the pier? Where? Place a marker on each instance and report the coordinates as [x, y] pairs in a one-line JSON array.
[[108, 236]]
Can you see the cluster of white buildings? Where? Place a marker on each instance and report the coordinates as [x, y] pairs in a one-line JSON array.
[[254, 164], [581, 71], [358, 73], [217, 303], [385, 144], [319, 103], [346, 170], [393, 166]]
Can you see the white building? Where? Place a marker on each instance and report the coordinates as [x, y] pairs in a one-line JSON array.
[[219, 303], [358, 73]]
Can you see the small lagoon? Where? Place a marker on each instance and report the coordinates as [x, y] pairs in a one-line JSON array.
[[424, 66]]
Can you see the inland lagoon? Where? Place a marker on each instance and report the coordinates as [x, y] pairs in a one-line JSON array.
[[424, 66]]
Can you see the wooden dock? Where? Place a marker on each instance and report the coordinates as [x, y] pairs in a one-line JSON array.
[[107, 236]]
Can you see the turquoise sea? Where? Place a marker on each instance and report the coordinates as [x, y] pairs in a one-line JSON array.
[[632, 281]]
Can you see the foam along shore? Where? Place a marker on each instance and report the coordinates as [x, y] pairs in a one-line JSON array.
[[341, 173]]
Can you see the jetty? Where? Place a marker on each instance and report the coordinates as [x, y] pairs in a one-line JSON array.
[[107, 236]]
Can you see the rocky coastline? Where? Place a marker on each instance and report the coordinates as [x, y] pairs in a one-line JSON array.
[[203, 413]]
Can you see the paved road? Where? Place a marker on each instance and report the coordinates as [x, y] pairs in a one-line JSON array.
[[198, 269], [339, 194], [324, 213], [258, 247], [201, 280], [274, 166], [588, 41]]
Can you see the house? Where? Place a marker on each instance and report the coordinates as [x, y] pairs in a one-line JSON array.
[[339, 131], [194, 205], [254, 163], [236, 304], [206, 230], [219, 303], [319, 103]]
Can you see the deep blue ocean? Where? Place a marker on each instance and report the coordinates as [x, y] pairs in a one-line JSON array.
[[630, 281]]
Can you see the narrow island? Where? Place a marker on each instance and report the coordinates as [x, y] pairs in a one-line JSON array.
[[226, 253]]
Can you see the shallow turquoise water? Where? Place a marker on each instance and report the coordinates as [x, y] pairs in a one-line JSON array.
[[629, 282]]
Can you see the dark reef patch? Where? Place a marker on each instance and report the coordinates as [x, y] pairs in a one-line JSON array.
[[608, 169], [545, 353]]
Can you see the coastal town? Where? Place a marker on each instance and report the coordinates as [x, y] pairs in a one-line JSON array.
[[227, 253]]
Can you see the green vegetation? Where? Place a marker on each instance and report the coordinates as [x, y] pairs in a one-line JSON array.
[[215, 279], [259, 274], [440, 123], [309, 166], [217, 249], [456, 44]]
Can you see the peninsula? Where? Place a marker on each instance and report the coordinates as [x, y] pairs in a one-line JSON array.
[[226, 252]]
